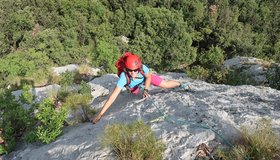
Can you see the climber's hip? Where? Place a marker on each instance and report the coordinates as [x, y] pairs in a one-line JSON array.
[[155, 81]]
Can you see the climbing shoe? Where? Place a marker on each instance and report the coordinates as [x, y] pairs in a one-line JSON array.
[[185, 87]]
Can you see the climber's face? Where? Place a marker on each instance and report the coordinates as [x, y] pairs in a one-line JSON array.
[[133, 73]]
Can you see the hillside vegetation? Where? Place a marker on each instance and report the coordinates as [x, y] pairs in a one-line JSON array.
[[169, 35]]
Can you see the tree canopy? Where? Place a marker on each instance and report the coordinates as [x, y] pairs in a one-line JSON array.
[[167, 34]]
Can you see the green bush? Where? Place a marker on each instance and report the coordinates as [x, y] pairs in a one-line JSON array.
[[54, 78], [24, 65], [9, 137], [51, 121], [15, 120], [15, 21], [213, 57], [49, 42], [273, 77], [221, 75], [84, 88], [76, 102], [84, 69], [166, 34], [67, 78], [39, 78], [26, 97], [217, 75], [198, 72], [276, 57], [133, 141], [259, 143], [2, 150], [237, 77], [106, 56]]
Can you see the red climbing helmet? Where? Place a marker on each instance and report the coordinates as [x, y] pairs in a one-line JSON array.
[[133, 62]]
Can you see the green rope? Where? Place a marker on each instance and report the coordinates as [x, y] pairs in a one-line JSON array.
[[182, 122]]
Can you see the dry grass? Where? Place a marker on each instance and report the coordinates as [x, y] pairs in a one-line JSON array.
[[259, 143], [84, 69], [54, 78]]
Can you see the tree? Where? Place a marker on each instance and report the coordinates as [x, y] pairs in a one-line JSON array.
[[161, 38], [14, 24], [213, 57], [106, 55]]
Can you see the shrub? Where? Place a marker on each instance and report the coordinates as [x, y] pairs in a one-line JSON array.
[[259, 143], [26, 96], [67, 79], [84, 88], [106, 56], [61, 95], [24, 65], [14, 121], [276, 57], [79, 102], [2, 150], [198, 72], [237, 77], [12, 80], [50, 121], [213, 75], [49, 41], [133, 141], [54, 78], [222, 76], [84, 73], [84, 69], [217, 75], [213, 57], [273, 77], [8, 137], [39, 77]]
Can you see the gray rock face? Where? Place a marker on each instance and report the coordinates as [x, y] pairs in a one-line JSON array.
[[62, 69], [39, 93], [72, 68], [256, 68], [182, 120]]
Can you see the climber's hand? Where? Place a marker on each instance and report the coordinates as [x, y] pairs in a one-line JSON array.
[[146, 93], [96, 119]]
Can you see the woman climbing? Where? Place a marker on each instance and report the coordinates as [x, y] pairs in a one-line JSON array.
[[134, 75]]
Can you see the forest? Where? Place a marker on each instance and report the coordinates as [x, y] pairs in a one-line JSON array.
[[190, 36], [169, 35]]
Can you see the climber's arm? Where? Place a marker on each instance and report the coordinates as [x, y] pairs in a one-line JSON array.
[[148, 78], [108, 103]]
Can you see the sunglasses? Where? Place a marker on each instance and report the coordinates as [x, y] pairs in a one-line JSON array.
[[132, 70]]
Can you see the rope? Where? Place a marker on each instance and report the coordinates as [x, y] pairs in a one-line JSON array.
[[182, 122], [194, 124]]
